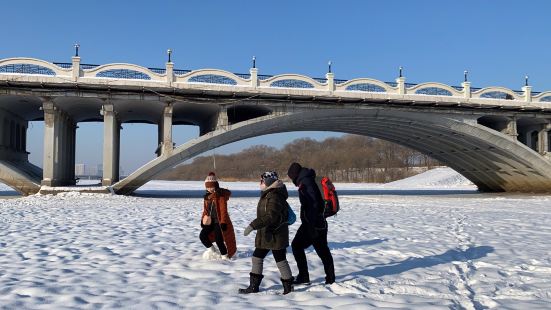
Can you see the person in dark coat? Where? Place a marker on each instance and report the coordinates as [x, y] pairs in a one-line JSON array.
[[272, 232], [219, 228], [313, 228]]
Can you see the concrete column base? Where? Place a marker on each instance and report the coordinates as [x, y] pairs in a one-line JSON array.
[[111, 146]]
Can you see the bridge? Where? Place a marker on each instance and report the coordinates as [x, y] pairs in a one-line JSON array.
[[496, 137]]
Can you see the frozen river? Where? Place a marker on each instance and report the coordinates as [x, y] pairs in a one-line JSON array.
[[428, 242]]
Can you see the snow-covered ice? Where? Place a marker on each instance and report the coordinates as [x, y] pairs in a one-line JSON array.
[[427, 242]]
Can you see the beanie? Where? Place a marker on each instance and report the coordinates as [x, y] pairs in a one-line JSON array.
[[293, 171], [211, 180], [269, 177]]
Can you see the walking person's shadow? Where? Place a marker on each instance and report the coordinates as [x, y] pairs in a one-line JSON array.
[[351, 244], [449, 256]]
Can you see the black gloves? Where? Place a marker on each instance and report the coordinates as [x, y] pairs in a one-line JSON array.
[[224, 226]]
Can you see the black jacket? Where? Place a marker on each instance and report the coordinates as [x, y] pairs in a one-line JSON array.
[[311, 201], [271, 218]]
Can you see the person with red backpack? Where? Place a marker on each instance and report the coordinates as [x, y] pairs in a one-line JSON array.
[[313, 228]]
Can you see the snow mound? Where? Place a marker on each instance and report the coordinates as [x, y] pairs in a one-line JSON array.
[[443, 177], [212, 253]]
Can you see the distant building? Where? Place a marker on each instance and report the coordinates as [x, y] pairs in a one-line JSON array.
[[92, 171], [84, 171], [80, 169]]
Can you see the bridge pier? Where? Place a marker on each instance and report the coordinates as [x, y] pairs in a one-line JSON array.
[[534, 134], [59, 149], [217, 121], [222, 118], [511, 128], [543, 139], [165, 132], [111, 145]]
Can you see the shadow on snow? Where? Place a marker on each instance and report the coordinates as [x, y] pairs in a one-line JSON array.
[[424, 262], [351, 244]]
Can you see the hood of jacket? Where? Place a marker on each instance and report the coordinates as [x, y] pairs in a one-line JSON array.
[[278, 187], [305, 173]]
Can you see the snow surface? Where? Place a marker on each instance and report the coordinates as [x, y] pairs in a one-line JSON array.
[[422, 243], [439, 177]]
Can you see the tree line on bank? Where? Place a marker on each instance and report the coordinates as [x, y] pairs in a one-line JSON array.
[[350, 158]]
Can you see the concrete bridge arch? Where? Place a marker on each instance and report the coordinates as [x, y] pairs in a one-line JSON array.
[[492, 160]]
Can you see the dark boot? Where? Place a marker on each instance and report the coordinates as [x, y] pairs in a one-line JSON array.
[[302, 278], [329, 273], [287, 285], [254, 285], [330, 279]]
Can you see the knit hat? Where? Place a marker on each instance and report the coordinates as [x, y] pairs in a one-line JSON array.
[[293, 171], [211, 181], [269, 177]]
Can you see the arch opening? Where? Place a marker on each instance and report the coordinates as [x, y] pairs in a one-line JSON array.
[[123, 74], [367, 159], [212, 79], [527, 128], [434, 91], [240, 113], [497, 123], [493, 162], [26, 69], [138, 143], [88, 165]]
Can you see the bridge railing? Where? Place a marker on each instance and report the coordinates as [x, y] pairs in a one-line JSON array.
[[132, 74]]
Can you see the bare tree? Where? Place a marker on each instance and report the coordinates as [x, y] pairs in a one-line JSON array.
[[350, 158]]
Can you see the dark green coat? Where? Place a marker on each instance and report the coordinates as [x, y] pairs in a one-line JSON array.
[[271, 218]]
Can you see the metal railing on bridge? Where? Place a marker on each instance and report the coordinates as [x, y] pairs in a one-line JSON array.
[[29, 66]]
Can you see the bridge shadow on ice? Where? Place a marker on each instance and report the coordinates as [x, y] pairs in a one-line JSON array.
[[9, 194]]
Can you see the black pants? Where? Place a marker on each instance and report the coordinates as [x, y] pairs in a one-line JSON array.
[[279, 255], [204, 236], [303, 240]]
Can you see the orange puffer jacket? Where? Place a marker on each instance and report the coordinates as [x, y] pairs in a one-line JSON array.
[[220, 198]]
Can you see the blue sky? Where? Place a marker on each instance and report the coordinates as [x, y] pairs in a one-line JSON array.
[[497, 41]]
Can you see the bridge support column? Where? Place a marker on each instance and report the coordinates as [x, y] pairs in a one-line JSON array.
[[71, 150], [222, 119], [217, 121], [511, 128], [111, 146], [67, 151], [58, 167], [165, 132], [62, 148], [543, 140]]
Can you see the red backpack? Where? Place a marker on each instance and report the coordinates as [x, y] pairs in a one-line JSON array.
[[329, 195]]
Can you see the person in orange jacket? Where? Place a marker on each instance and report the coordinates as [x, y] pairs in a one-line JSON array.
[[215, 221]]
